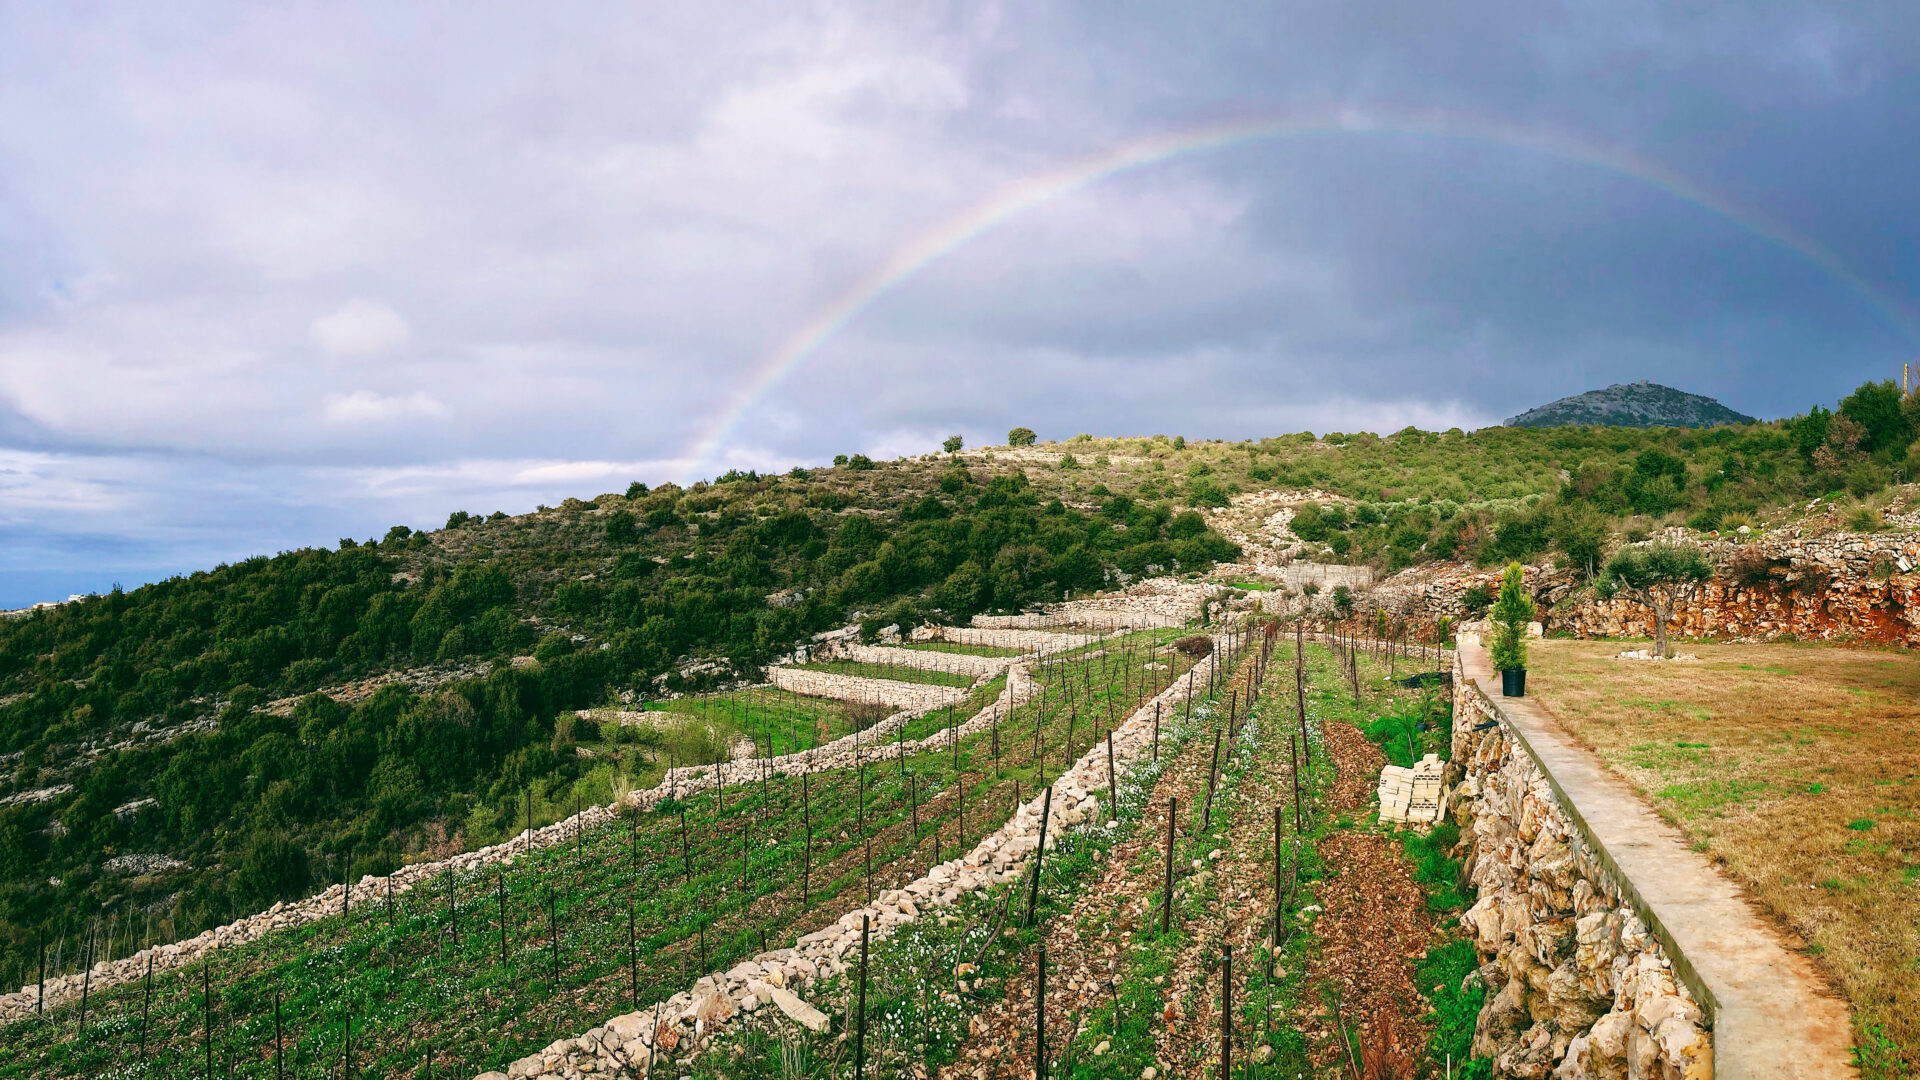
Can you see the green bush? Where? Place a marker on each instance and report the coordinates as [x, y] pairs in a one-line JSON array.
[[1511, 614], [1021, 436]]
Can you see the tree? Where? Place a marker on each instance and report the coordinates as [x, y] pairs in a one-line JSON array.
[[636, 489], [1875, 406], [1511, 614], [953, 444], [621, 528], [1659, 575], [1021, 436]]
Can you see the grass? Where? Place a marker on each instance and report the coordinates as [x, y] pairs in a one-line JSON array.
[[970, 650], [786, 722], [1795, 766]]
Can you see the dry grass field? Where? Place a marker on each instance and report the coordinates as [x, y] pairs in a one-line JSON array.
[[1798, 768]]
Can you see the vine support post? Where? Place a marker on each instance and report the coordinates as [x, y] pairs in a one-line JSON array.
[[860, 1026], [1166, 898]]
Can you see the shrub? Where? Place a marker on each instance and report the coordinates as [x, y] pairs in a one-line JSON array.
[[1511, 614], [1021, 436], [859, 463], [1197, 646], [636, 489], [1476, 599], [953, 444]]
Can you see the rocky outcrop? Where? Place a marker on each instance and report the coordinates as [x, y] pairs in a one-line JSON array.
[[1577, 986]]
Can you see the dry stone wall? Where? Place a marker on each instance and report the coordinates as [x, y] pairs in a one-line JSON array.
[[1577, 986], [680, 1026], [889, 692], [1835, 586], [1042, 642], [973, 667]]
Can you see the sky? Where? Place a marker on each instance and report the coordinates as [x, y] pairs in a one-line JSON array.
[[271, 275]]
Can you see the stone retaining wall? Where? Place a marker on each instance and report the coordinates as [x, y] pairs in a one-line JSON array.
[[1577, 985], [890, 692], [1044, 642], [973, 667], [681, 1025]]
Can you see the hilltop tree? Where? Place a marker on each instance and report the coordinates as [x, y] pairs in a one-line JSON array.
[[1021, 436], [953, 444], [1659, 575]]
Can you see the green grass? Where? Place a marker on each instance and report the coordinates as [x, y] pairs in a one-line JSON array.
[[970, 650], [788, 723]]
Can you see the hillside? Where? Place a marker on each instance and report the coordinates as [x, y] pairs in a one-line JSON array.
[[1636, 404], [179, 755]]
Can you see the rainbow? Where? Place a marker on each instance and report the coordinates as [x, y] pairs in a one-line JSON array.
[[957, 231]]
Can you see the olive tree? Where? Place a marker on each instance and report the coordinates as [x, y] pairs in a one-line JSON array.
[[1660, 575], [1021, 436]]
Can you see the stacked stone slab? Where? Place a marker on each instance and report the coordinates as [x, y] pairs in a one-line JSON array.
[[1578, 987], [680, 1026], [1412, 796]]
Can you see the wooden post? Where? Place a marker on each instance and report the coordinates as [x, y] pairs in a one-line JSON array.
[[279, 1058], [206, 1002], [1166, 899], [346, 1052], [860, 1027], [1156, 731], [1113, 783], [86, 984], [146, 1000], [1039, 853], [1226, 1011], [503, 916], [40, 989], [806, 852], [686, 859], [633, 940], [1040, 1017], [1213, 771], [553, 934]]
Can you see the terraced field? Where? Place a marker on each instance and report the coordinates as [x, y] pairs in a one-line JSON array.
[[483, 964]]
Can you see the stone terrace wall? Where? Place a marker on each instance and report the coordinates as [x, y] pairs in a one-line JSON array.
[[1838, 586], [1044, 642], [890, 692], [973, 667], [1577, 985]]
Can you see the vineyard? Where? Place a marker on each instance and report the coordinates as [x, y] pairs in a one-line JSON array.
[[476, 967], [1334, 938]]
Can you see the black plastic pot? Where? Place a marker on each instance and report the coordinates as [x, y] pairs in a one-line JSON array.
[[1513, 682]]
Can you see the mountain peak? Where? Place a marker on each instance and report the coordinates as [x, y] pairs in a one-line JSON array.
[[1634, 404]]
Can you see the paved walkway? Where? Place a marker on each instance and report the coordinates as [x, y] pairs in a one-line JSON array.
[[1772, 1018]]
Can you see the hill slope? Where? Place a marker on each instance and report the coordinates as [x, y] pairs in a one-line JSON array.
[[1636, 404]]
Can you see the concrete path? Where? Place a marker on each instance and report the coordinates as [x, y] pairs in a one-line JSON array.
[[1771, 1014]]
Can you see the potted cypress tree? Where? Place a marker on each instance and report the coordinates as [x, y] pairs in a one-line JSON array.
[[1511, 614]]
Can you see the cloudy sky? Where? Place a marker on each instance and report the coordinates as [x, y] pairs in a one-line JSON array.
[[275, 274]]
